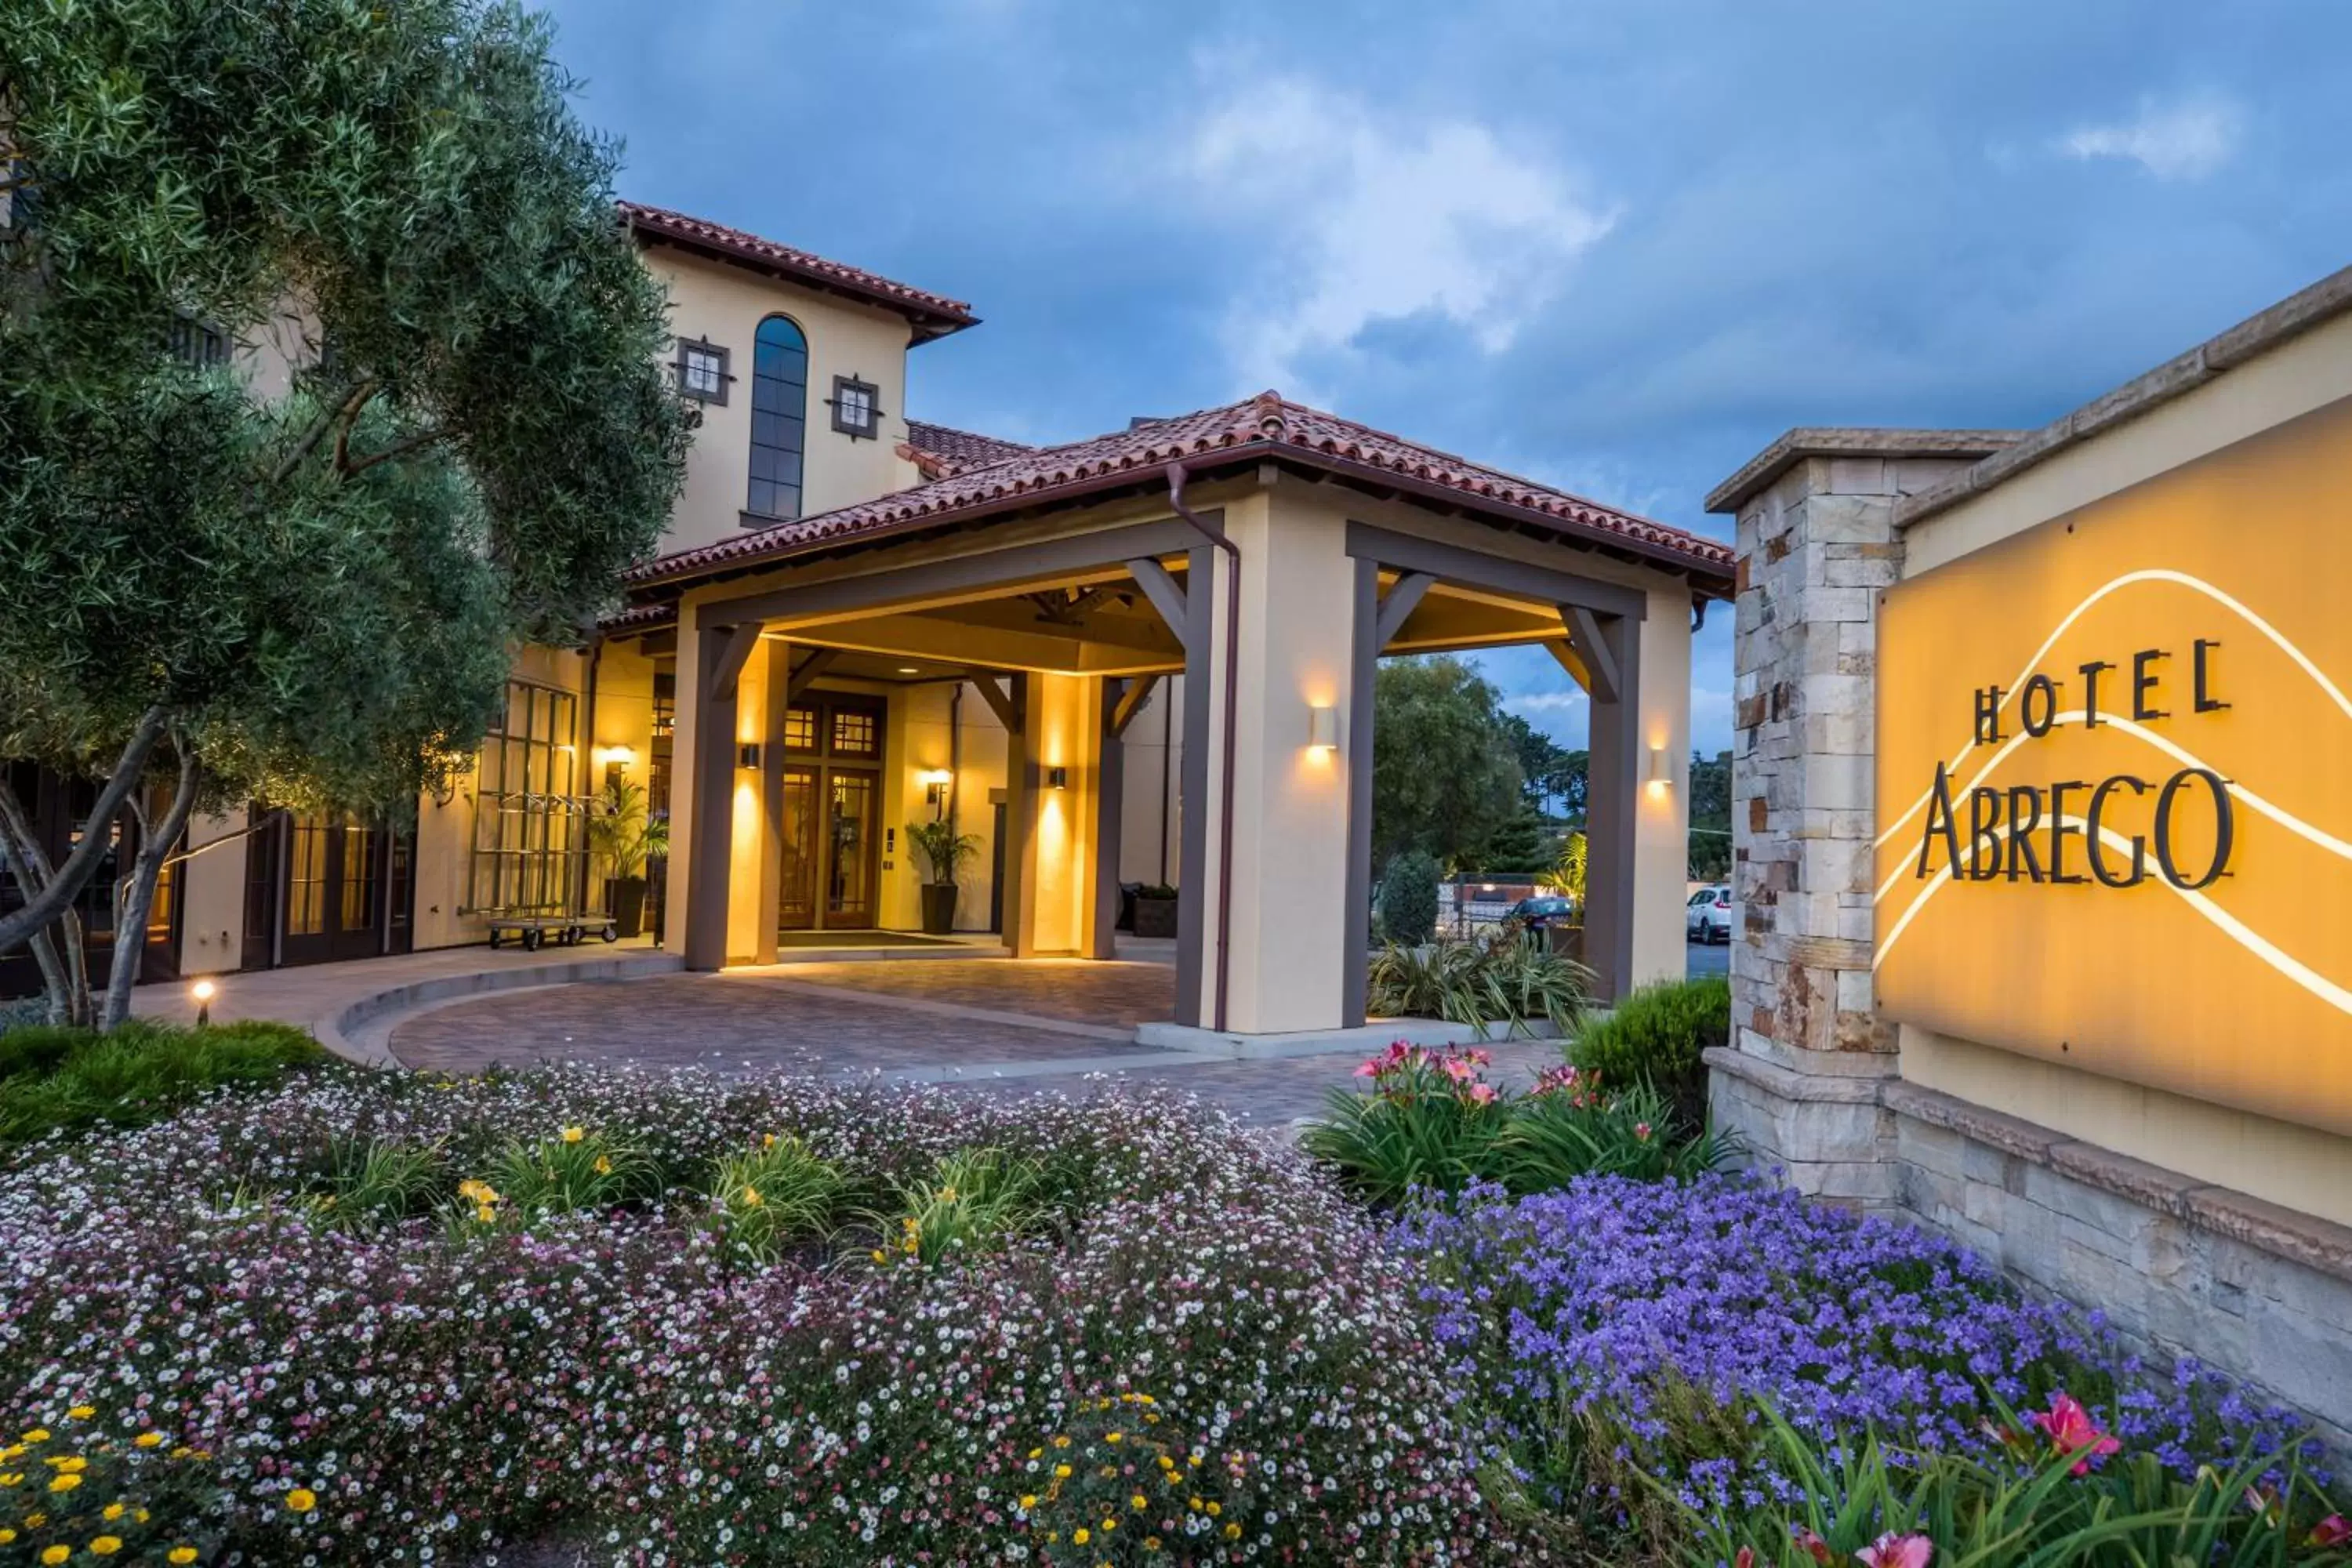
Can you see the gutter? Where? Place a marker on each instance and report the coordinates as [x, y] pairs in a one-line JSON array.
[[1232, 692]]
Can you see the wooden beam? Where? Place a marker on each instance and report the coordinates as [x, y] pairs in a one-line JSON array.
[[1559, 649], [818, 661], [1599, 664], [1165, 595], [1404, 595], [732, 658], [1130, 703], [1007, 708]]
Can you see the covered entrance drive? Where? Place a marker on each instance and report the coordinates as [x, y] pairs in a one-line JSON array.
[[1234, 573]]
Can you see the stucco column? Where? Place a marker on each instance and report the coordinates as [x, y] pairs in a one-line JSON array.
[[1110, 795], [1613, 788], [719, 654], [1817, 540]]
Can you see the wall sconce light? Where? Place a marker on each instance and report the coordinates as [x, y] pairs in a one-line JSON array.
[[1057, 778], [1322, 727], [1661, 774], [934, 782], [746, 755], [620, 757]]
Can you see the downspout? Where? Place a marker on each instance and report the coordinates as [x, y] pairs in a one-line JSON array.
[[1233, 696]]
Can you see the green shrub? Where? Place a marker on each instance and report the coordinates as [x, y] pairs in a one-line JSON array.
[[1656, 1035], [576, 1169], [56, 1079], [974, 1199], [375, 1182], [1433, 1122], [1852, 1496], [1408, 899]]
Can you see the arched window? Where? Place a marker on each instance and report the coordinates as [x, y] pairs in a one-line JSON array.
[[779, 417]]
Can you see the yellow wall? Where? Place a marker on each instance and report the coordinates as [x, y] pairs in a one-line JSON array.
[[1062, 861], [211, 902], [725, 305], [2300, 1168]]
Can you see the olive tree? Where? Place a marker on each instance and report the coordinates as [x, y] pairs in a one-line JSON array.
[[326, 375]]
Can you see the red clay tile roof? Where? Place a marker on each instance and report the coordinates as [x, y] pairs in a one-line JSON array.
[[934, 315], [952, 450], [1267, 427]]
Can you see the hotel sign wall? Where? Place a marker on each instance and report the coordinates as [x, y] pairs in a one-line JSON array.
[[2115, 783]]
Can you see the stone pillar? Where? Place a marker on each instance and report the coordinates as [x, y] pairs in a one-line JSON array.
[[1799, 1079]]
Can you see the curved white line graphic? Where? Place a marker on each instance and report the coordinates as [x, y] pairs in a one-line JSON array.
[[2286, 819], [2295, 969], [2150, 574]]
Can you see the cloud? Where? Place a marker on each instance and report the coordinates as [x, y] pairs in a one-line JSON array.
[[2186, 142], [1364, 218], [1544, 701]]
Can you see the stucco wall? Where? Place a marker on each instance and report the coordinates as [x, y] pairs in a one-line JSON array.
[[725, 305]]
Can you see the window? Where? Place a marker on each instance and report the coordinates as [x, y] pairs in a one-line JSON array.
[[198, 343], [800, 729], [528, 825], [702, 371], [853, 734], [779, 419], [856, 407]]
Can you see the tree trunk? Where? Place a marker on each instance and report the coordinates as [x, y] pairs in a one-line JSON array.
[[155, 842], [65, 883], [56, 948]]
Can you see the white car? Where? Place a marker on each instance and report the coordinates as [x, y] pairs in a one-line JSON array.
[[1708, 916]]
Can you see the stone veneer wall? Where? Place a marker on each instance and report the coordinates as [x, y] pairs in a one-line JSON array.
[[1810, 1078]]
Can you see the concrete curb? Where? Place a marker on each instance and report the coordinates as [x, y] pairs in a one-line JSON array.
[[1365, 1039], [353, 1033]]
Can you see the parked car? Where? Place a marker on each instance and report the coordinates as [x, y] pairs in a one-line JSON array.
[[1543, 911], [1708, 916]]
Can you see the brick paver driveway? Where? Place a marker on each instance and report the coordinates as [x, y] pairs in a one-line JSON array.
[[993, 1025]]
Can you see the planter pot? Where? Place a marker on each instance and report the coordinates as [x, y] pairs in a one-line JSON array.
[[938, 908], [1565, 941], [1155, 917], [626, 897]]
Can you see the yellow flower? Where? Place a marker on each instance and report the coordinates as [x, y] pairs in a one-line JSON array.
[[147, 1441], [486, 1213], [53, 1555], [66, 1480], [1109, 1524], [1061, 1472], [573, 1135], [1113, 1437], [181, 1555], [112, 1511], [1151, 1543], [106, 1545], [12, 1478], [1213, 1510], [1078, 1537], [1029, 1501], [1137, 1503], [1196, 1505], [913, 1246], [71, 1464], [301, 1500], [82, 1412], [1036, 1453], [1061, 1442], [37, 1434], [603, 1165], [947, 1195], [6, 1535], [1195, 1461], [880, 1256], [1232, 1533], [751, 1197], [1166, 1463]]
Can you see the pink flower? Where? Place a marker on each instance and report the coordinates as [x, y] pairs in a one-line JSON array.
[[1459, 1070], [2071, 1431], [1641, 1130], [1892, 1551], [1743, 1558], [2333, 1531], [1815, 1547], [1482, 1094], [1370, 1068]]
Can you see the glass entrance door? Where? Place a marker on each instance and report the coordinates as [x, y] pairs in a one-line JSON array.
[[796, 896], [850, 874], [341, 877]]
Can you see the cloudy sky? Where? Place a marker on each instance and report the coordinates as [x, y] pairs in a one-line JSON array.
[[1616, 247]]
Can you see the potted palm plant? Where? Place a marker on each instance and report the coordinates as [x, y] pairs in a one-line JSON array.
[[627, 835], [944, 851]]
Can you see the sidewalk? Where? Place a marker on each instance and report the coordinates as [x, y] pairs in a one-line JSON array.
[[337, 1002]]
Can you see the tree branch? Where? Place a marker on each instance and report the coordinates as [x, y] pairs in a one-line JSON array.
[[66, 885], [344, 412], [396, 449]]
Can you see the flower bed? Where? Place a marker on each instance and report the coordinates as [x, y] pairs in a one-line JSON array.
[[276, 1326], [1617, 1329]]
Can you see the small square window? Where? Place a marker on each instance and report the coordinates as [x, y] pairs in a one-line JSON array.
[[856, 407], [702, 371]]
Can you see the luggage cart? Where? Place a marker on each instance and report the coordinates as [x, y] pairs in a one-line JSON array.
[[553, 865]]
